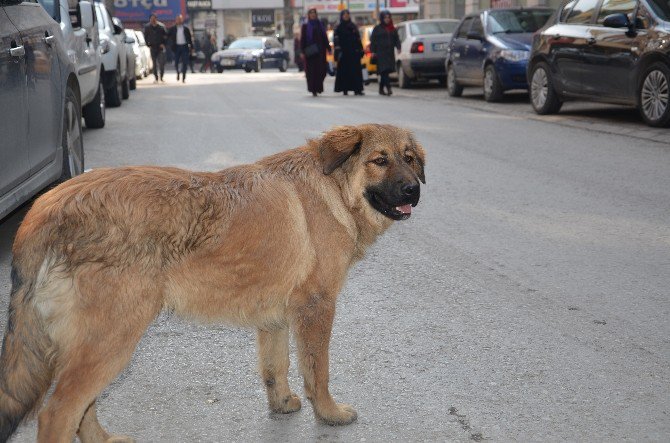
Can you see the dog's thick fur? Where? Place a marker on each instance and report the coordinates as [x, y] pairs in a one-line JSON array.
[[266, 245]]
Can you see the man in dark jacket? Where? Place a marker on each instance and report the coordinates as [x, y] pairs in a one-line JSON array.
[[182, 44], [156, 36]]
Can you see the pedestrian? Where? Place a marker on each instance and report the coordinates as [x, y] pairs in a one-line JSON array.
[[182, 44], [299, 62], [156, 37], [383, 43], [314, 45], [208, 48], [348, 53]]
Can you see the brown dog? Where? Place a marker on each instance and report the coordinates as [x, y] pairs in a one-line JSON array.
[[266, 245]]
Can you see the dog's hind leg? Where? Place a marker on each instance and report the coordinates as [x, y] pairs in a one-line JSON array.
[[90, 430], [313, 323], [273, 361]]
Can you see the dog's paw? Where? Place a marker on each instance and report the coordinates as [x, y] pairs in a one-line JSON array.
[[339, 414], [120, 439], [290, 403]]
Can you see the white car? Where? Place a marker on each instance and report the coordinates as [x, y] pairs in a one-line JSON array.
[[114, 58], [423, 50], [128, 42], [146, 53]]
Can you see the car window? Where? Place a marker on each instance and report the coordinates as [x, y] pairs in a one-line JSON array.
[[477, 26], [616, 7], [246, 44], [465, 27], [402, 33], [517, 21], [428, 28], [582, 12], [51, 8], [661, 8]]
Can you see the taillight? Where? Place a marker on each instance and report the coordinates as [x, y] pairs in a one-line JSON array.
[[417, 48], [367, 48]]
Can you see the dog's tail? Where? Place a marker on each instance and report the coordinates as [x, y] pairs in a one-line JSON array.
[[25, 367]]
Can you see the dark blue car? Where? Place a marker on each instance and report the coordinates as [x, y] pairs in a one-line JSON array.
[[252, 54], [491, 49]]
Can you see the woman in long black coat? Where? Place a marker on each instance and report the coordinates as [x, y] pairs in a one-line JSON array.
[[348, 53], [383, 43], [314, 45]]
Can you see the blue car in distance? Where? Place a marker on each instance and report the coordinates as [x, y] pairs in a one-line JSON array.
[[491, 49]]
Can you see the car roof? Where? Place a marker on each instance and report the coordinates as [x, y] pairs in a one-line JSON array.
[[429, 20], [518, 8]]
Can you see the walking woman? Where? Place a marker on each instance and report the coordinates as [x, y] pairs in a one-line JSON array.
[[348, 53], [383, 43], [314, 44]]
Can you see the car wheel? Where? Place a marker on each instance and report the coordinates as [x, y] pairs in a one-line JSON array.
[[219, 69], [284, 65], [403, 80], [125, 89], [493, 89], [543, 96], [133, 84], [453, 88], [258, 65], [72, 141], [114, 93], [654, 95], [94, 112], [247, 69]]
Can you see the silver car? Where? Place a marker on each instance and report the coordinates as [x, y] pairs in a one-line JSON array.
[[42, 141], [423, 50]]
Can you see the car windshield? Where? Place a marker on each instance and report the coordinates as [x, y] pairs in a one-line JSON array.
[[247, 44], [661, 8], [517, 21], [427, 28]]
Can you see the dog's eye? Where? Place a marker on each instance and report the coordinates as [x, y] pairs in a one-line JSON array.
[[409, 158], [381, 161]]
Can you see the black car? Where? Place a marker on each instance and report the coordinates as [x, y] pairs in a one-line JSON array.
[[491, 49], [252, 54], [595, 50]]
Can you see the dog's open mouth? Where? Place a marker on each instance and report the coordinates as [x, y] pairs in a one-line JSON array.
[[401, 212]]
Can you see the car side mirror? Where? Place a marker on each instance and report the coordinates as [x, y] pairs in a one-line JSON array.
[[117, 29], [86, 19], [619, 20], [474, 35]]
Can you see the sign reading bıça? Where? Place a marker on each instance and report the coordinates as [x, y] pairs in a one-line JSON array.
[[141, 10]]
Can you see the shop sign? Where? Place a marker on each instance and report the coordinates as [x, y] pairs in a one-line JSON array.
[[262, 18], [141, 10], [198, 4]]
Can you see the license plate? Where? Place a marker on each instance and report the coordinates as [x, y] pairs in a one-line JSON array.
[[440, 46], [228, 62]]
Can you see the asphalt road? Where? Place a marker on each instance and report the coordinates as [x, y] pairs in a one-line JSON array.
[[526, 299]]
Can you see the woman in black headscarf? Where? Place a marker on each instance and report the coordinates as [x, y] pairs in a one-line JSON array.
[[314, 44], [383, 43], [348, 53]]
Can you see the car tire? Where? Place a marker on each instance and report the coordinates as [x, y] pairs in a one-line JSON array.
[[258, 65], [125, 89], [219, 69], [247, 69], [654, 95], [94, 112], [133, 84], [114, 93], [72, 141], [543, 96], [283, 66], [404, 81], [493, 89], [453, 88]]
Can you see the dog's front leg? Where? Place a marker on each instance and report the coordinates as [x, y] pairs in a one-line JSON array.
[[273, 365], [313, 323]]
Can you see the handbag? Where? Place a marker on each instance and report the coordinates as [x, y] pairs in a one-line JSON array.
[[311, 50], [364, 72]]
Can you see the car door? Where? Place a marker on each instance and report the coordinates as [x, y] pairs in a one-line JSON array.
[[14, 163], [568, 41], [88, 51], [612, 53], [473, 53], [459, 40], [43, 93]]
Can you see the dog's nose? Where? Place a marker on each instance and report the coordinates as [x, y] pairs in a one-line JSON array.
[[410, 190]]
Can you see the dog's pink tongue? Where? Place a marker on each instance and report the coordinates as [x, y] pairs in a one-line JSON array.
[[405, 209]]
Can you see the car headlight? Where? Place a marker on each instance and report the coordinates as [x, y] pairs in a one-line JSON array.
[[104, 46], [514, 55], [248, 57]]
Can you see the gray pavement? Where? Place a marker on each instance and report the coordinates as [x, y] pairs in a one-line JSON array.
[[526, 299]]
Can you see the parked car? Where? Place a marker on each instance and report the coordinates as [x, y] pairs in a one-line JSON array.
[[146, 51], [596, 51], [252, 53], [114, 58], [491, 49], [38, 83], [139, 63], [423, 50], [368, 60], [129, 43], [80, 37]]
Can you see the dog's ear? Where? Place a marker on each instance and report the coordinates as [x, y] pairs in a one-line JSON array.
[[337, 145], [421, 160]]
